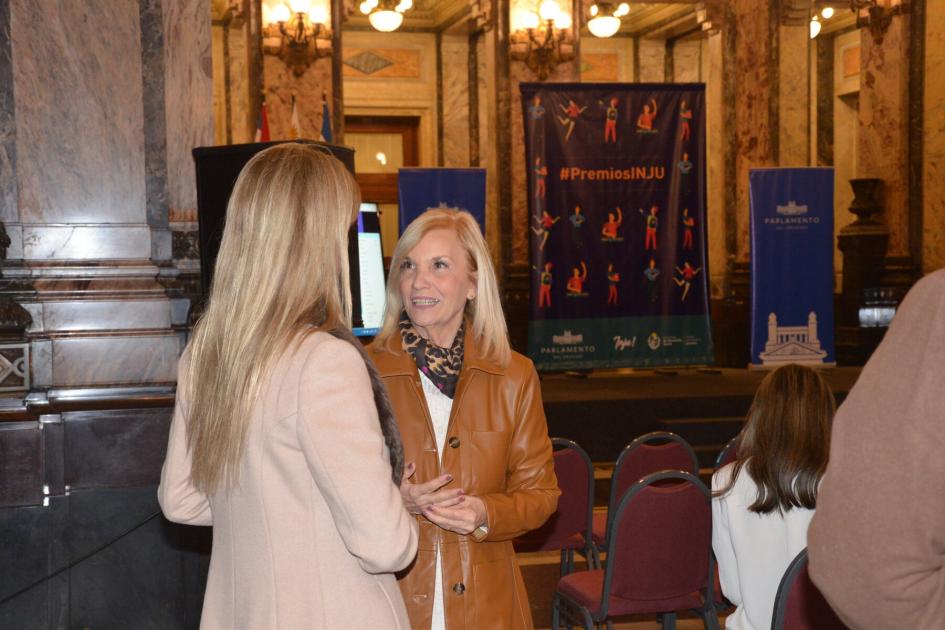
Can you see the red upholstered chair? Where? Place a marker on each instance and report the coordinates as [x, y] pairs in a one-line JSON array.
[[658, 558], [569, 528], [649, 453], [727, 455], [799, 605]]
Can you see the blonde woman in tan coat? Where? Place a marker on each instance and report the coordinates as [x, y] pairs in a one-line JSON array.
[[278, 440]]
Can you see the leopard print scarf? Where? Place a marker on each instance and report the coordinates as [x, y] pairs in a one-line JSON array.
[[440, 365]]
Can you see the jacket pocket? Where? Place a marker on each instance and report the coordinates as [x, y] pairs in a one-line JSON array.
[[489, 461]]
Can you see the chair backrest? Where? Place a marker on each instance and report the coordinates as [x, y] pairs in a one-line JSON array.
[[650, 453], [799, 605], [728, 454], [575, 511], [661, 543]]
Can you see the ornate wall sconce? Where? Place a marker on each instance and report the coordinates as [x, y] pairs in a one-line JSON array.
[[298, 32], [605, 18], [542, 39], [877, 15]]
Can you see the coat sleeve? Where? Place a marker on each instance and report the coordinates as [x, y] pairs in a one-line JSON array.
[[180, 500], [877, 541], [531, 494], [341, 439]]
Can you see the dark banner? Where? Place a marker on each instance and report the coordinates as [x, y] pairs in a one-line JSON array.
[[616, 188], [423, 188], [791, 266]]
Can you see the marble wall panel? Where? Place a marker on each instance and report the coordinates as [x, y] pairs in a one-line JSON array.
[[105, 315], [114, 360], [882, 139], [844, 140], [188, 89], [455, 55], [79, 137], [609, 59], [793, 93], [933, 151], [111, 449], [242, 123], [281, 84], [487, 144], [687, 61], [41, 362], [652, 61], [715, 169], [21, 464], [8, 205], [753, 124], [86, 242]]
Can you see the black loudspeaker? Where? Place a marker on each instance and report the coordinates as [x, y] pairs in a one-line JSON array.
[[217, 169]]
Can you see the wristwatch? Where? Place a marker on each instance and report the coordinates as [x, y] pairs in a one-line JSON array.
[[479, 534]]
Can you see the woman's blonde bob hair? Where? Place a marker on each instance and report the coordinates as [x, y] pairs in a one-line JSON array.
[[282, 270], [484, 311]]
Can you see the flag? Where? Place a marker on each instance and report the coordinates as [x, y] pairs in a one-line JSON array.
[[262, 125], [326, 118], [296, 125]]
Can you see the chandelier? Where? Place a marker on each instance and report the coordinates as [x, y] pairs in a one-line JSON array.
[[297, 32], [385, 15], [543, 39]]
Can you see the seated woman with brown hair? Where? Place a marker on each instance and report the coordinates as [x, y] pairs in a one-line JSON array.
[[764, 500]]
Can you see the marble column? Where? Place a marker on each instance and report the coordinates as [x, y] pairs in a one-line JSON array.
[[97, 145], [793, 89], [882, 139], [933, 150], [455, 112]]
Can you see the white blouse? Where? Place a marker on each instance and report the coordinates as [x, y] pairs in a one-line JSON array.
[[753, 550], [439, 405]]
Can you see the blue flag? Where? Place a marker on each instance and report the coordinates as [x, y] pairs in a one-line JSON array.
[[326, 120]]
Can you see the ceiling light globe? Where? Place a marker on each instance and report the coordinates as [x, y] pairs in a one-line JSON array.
[[386, 20], [603, 26], [548, 10]]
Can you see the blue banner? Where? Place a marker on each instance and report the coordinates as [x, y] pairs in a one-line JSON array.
[[791, 266], [420, 189], [616, 189]]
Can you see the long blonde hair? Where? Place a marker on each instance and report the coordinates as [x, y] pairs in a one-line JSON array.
[[282, 269], [485, 310]]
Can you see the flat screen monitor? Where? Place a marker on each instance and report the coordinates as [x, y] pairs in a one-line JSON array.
[[371, 271]]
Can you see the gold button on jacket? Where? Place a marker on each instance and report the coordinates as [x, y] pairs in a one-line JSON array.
[[504, 459]]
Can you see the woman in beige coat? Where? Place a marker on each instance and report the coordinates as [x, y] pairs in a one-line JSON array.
[[277, 440]]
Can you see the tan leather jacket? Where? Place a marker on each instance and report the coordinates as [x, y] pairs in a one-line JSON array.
[[497, 448]]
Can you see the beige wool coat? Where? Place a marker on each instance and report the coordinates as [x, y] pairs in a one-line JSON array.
[[311, 536]]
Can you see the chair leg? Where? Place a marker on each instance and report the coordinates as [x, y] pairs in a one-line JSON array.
[[555, 612], [710, 618], [669, 621], [563, 568], [610, 624]]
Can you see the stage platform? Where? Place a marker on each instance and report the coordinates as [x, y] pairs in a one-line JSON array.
[[605, 410]]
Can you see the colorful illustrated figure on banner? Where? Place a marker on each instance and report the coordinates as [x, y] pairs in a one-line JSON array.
[[689, 225], [610, 124], [577, 221], [544, 292], [609, 231], [576, 281], [613, 279], [569, 120], [685, 169], [611, 288], [652, 222], [687, 273], [545, 222], [652, 281], [685, 117], [646, 118]]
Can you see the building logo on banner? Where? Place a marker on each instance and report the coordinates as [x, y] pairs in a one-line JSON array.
[[616, 228], [792, 344]]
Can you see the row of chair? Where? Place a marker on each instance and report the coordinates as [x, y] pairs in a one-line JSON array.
[[657, 534]]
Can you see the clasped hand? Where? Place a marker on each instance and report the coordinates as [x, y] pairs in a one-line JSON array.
[[450, 509]]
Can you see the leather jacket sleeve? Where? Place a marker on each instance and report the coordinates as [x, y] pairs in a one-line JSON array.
[[531, 494]]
